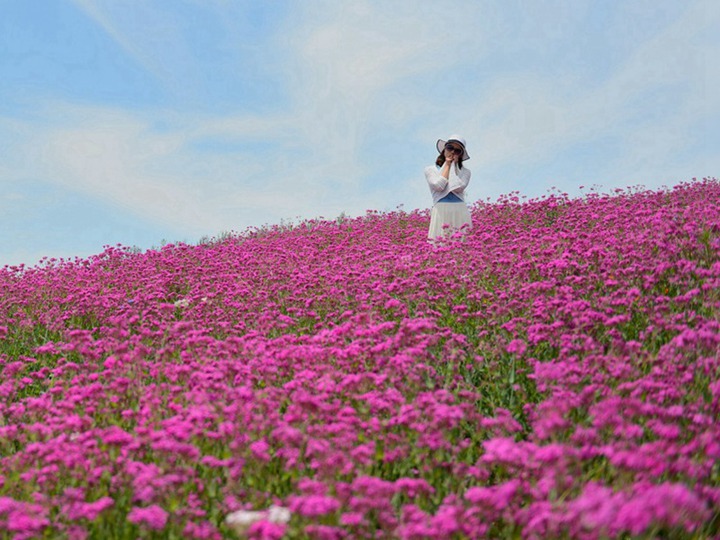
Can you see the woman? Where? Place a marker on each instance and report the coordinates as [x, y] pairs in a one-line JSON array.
[[447, 180]]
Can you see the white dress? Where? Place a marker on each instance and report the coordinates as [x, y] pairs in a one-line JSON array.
[[449, 211]]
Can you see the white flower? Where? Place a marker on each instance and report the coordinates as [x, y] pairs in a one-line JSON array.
[[241, 520], [183, 302], [278, 514]]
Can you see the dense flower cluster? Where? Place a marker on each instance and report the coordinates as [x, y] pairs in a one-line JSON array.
[[554, 373]]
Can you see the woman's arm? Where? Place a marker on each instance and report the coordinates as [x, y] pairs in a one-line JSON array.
[[445, 169], [459, 180], [435, 179]]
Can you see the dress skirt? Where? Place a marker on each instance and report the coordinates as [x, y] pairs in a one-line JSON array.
[[446, 218]]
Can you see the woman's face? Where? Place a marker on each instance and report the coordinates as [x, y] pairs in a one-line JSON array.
[[453, 151]]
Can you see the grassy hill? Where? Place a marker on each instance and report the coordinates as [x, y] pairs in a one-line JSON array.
[[556, 373]]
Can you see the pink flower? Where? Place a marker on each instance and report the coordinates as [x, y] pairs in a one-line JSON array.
[[516, 346], [671, 505], [325, 532], [352, 519], [266, 530], [479, 385], [505, 450], [152, 517], [446, 522], [393, 303], [260, 449], [88, 510], [314, 505], [413, 486], [496, 497], [21, 522], [201, 531]]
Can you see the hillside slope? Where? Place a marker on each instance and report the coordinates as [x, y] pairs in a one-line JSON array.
[[556, 373]]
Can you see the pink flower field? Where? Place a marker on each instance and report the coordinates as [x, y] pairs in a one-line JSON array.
[[553, 374]]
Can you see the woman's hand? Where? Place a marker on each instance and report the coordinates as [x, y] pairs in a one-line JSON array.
[[449, 160]]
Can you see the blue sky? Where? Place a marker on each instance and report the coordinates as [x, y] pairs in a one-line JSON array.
[[138, 122]]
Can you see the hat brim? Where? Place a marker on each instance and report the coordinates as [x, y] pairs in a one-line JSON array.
[[440, 145]]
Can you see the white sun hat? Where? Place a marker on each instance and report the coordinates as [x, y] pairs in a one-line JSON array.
[[440, 145]]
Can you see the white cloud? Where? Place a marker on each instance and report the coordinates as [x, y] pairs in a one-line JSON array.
[[346, 60], [340, 66], [529, 118], [124, 159]]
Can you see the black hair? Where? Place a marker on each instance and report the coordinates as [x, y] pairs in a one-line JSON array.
[[440, 161]]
